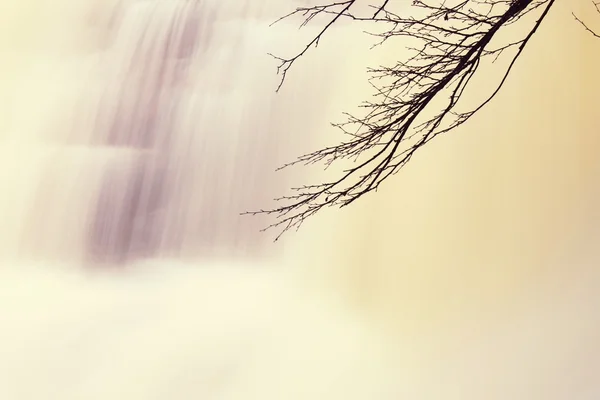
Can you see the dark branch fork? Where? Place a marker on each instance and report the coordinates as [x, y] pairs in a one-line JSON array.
[[416, 99]]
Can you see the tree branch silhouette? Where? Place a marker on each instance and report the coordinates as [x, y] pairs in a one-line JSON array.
[[414, 100], [596, 4]]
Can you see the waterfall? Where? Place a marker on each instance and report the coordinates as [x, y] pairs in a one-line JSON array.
[[153, 133]]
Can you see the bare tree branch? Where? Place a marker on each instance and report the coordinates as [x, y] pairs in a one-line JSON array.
[[416, 99], [587, 28]]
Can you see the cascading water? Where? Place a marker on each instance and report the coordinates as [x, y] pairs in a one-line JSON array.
[[161, 135]]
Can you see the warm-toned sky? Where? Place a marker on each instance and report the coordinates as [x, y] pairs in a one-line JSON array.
[[508, 194], [484, 220]]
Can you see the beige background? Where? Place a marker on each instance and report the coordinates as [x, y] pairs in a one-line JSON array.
[[477, 263]]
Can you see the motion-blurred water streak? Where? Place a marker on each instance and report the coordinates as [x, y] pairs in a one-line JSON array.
[[146, 137]]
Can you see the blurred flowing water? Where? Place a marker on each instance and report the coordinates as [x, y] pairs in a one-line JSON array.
[[146, 136]]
